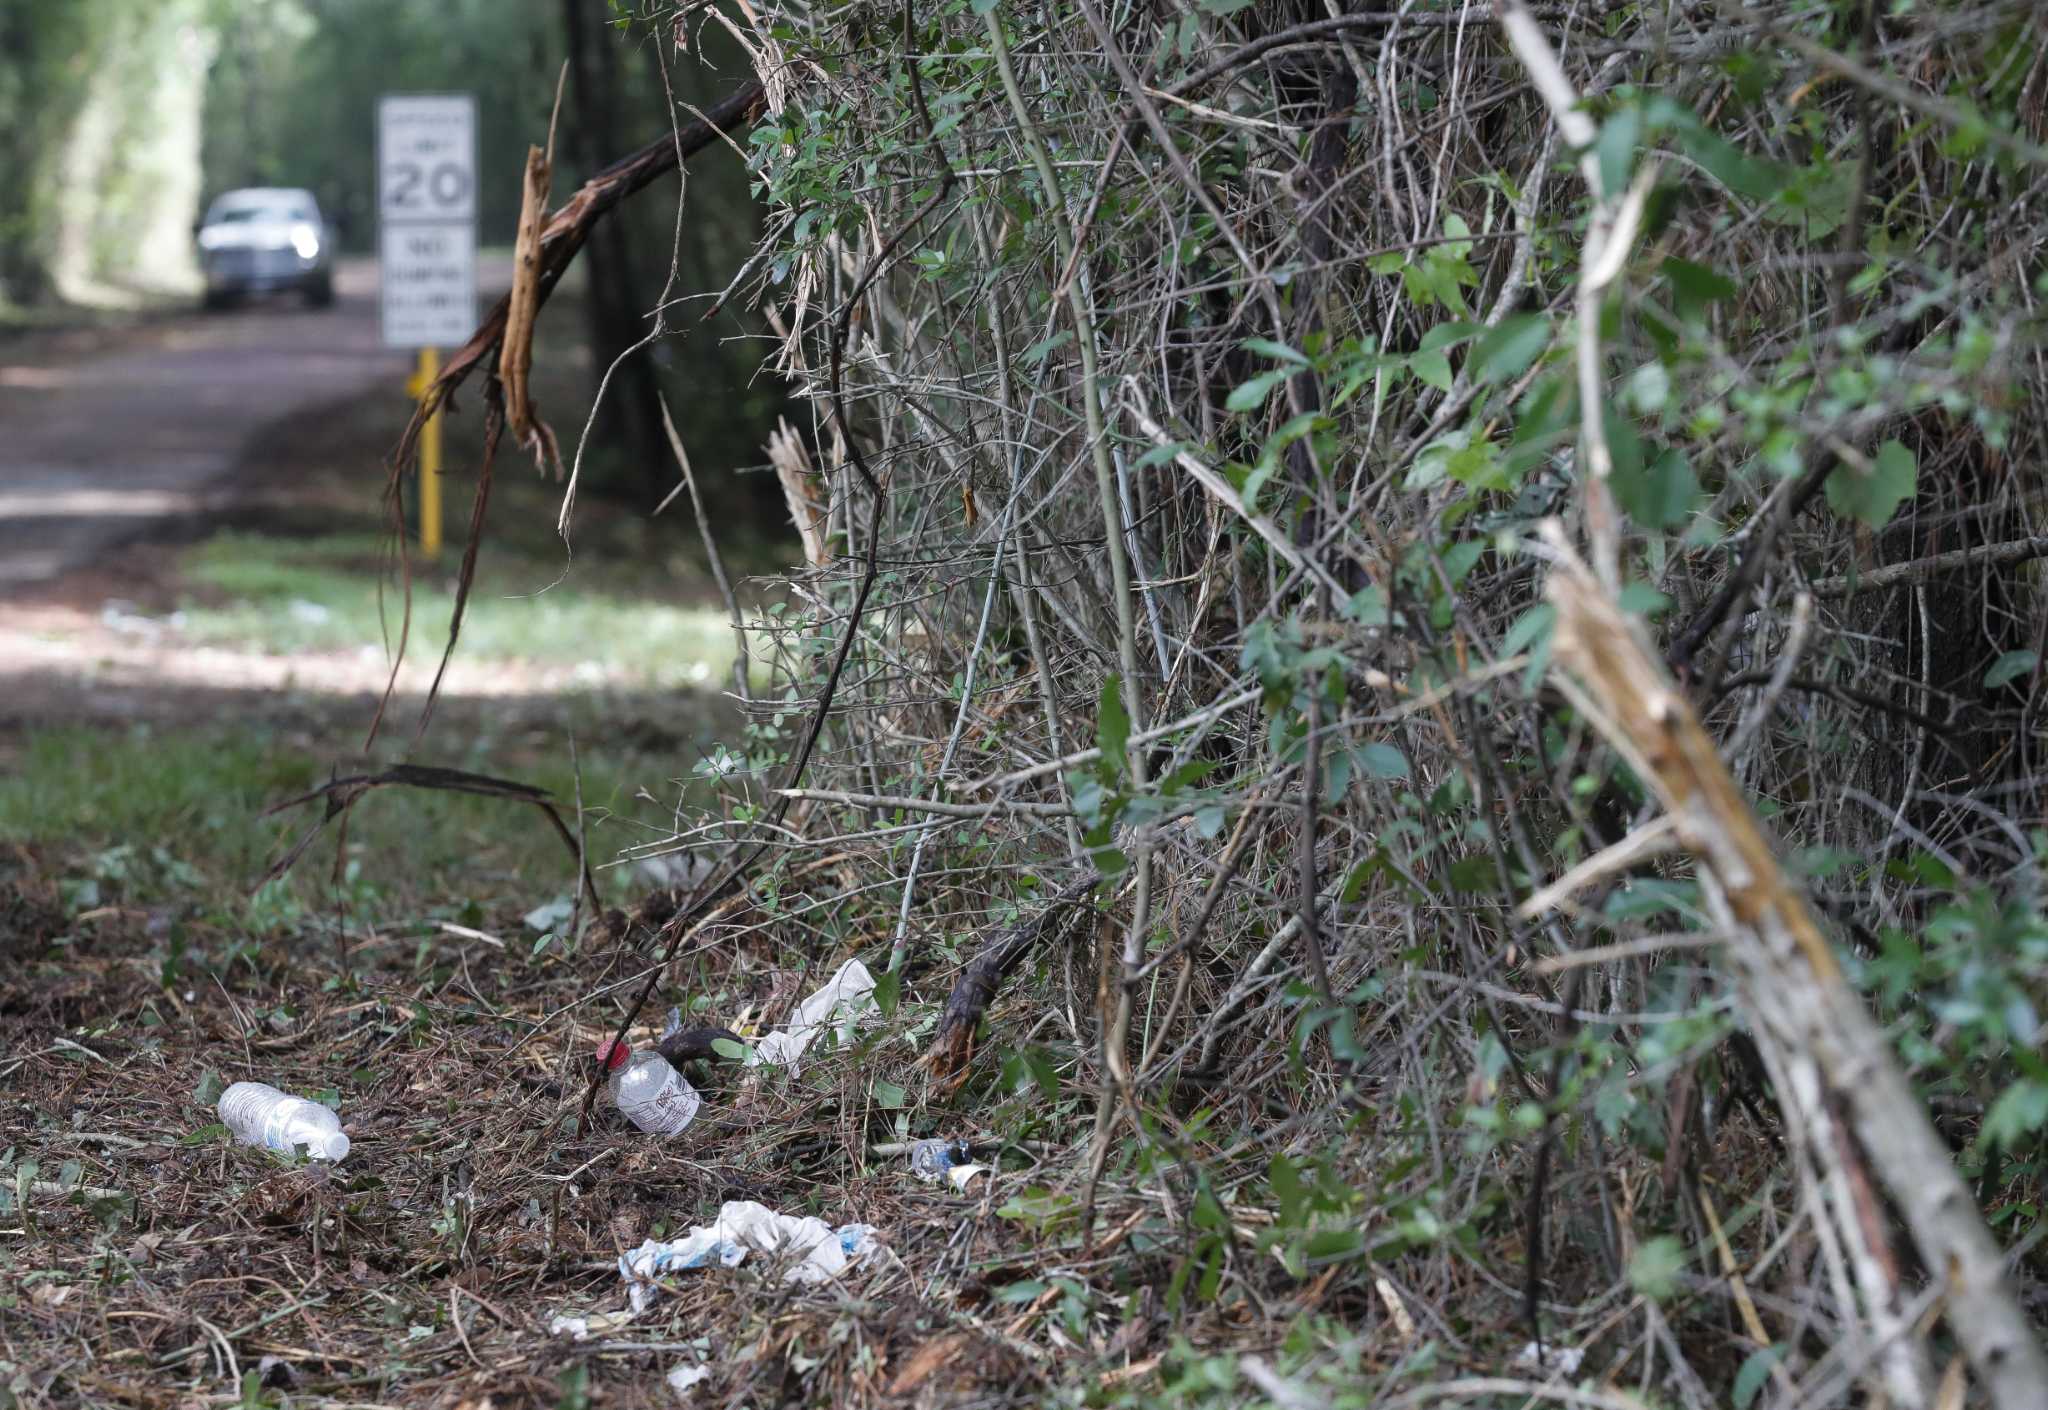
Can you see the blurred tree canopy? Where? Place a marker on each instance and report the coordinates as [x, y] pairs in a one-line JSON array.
[[99, 114]]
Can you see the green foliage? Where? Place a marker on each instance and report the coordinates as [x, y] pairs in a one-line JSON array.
[[1873, 495], [1964, 994], [93, 186]]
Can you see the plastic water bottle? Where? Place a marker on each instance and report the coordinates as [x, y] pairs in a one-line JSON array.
[[260, 1115], [653, 1095], [930, 1160]]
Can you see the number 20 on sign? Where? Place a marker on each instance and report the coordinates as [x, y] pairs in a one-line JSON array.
[[426, 210]]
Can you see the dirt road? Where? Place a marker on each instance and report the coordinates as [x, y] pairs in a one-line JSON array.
[[95, 450]]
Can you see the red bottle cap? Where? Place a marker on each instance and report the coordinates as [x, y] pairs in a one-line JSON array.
[[612, 1054]]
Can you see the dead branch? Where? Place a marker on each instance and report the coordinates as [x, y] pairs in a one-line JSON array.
[[567, 229], [1812, 1028], [522, 304], [952, 1045], [559, 242], [799, 490], [1918, 570]]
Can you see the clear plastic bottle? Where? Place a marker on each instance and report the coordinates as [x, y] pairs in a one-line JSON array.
[[930, 1160], [653, 1095], [260, 1115]]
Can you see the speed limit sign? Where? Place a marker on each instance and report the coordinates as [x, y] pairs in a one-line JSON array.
[[426, 210]]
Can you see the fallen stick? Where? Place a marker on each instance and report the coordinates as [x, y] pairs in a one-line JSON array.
[[1833, 1067], [952, 1044]]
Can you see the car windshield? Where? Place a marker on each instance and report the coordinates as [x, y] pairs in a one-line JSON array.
[[240, 212]]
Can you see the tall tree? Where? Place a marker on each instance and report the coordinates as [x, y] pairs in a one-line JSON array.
[[629, 416]]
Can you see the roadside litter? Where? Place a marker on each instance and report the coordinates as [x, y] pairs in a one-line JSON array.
[[684, 1378], [1564, 1360], [743, 1227], [942, 1159], [653, 1095], [658, 1099], [584, 1328], [846, 995], [260, 1115]]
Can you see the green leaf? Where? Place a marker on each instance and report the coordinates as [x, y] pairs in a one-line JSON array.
[[1113, 726], [1476, 873], [1447, 335], [1695, 284], [1654, 1270], [207, 1093], [1039, 351], [1750, 1379], [1641, 600], [2010, 667], [730, 1050], [1726, 163], [1047, 1077], [888, 990], [2020, 1109], [1336, 776], [1659, 495], [1382, 760], [1505, 352], [1252, 395], [1278, 351], [1461, 558], [1433, 368], [1334, 1245], [1288, 1190], [1533, 631], [1872, 497], [1533, 625], [888, 1095], [1616, 147]]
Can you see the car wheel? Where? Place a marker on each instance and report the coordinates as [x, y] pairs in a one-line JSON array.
[[214, 300], [320, 292]]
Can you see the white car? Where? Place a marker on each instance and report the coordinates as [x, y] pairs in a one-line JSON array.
[[264, 239]]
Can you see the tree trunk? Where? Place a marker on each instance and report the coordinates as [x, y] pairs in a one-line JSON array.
[[629, 417]]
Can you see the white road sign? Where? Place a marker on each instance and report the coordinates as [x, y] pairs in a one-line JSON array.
[[428, 273], [426, 206]]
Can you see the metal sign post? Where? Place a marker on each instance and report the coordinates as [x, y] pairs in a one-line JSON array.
[[426, 245]]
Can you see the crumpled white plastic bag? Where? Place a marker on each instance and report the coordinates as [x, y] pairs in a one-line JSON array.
[[847, 994], [1564, 1360], [684, 1378], [742, 1227], [585, 1327]]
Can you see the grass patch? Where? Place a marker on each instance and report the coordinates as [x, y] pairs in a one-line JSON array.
[[171, 817], [332, 593]]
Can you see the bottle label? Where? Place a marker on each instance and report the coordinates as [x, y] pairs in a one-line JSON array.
[[669, 1110]]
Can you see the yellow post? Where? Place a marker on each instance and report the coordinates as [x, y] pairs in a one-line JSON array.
[[430, 457]]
